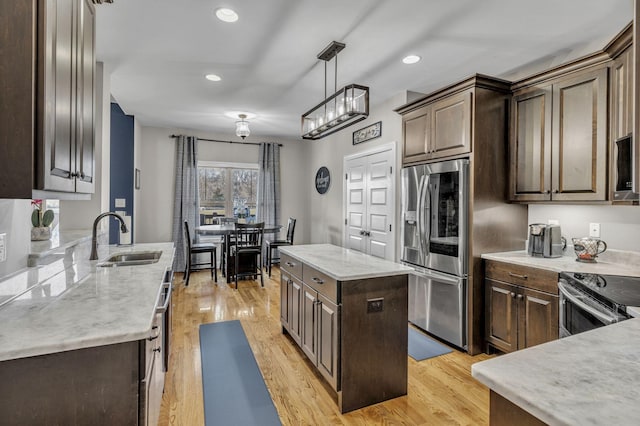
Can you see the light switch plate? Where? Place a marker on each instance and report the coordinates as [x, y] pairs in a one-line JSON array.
[[3, 247], [121, 202], [594, 230]]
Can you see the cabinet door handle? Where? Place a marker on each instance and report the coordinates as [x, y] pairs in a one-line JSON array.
[[317, 280], [290, 265], [73, 175], [153, 338], [81, 175], [555, 191], [157, 350], [522, 277]]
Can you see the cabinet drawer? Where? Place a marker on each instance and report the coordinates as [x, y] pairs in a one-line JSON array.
[[320, 282], [525, 276], [291, 265]]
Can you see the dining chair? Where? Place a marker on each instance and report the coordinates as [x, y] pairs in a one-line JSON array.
[[223, 247], [195, 249], [275, 244], [247, 247]]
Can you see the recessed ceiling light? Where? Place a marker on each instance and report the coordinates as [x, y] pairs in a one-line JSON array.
[[226, 15], [411, 59], [212, 77]]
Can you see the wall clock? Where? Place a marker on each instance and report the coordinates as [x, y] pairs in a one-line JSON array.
[[323, 180]]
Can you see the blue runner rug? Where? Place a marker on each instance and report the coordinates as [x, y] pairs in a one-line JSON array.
[[234, 391], [422, 347]]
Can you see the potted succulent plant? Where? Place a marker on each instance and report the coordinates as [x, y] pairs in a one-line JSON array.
[[41, 220]]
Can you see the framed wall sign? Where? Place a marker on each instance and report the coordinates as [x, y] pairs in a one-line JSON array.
[[323, 180], [367, 133]]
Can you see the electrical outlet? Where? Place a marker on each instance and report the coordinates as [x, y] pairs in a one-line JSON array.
[[594, 230], [375, 305], [554, 222], [3, 247], [121, 202]]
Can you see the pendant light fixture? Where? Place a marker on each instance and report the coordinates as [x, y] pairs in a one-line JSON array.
[[242, 126], [342, 109]]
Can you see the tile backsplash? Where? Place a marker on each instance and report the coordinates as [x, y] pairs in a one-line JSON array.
[[15, 221]]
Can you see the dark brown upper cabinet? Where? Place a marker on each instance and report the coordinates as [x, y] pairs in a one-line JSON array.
[[47, 112], [440, 125], [559, 138]]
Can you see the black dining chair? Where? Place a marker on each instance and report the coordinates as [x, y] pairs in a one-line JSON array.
[[247, 250], [195, 249], [222, 220], [275, 244]]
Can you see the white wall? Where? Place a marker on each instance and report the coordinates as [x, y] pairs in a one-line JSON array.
[[327, 215], [619, 225], [154, 215]]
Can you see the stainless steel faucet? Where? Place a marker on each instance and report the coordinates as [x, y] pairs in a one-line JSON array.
[[94, 238]]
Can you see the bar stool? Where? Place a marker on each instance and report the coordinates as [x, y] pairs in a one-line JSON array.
[[275, 244]]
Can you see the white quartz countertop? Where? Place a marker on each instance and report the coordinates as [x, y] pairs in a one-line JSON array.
[[586, 379], [611, 262], [344, 264], [72, 304]]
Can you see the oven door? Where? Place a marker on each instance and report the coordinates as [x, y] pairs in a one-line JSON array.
[[580, 312]]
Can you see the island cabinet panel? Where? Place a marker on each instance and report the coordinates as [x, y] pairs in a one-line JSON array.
[[373, 343], [521, 306], [559, 138], [353, 331]]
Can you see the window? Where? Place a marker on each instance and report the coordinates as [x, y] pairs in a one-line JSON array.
[[227, 190]]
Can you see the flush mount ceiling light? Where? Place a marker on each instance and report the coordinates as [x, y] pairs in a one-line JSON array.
[[226, 15], [411, 59], [342, 109], [242, 127], [212, 77]]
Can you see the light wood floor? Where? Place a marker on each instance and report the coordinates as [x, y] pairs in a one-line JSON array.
[[441, 389]]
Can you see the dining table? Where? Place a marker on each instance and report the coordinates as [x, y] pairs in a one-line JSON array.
[[226, 230]]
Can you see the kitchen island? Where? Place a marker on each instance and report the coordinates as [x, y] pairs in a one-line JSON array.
[[348, 312], [82, 344], [586, 379]]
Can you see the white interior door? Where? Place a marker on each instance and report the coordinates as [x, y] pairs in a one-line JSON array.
[[370, 203]]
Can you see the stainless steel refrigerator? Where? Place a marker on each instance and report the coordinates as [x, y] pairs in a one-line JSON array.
[[435, 212]]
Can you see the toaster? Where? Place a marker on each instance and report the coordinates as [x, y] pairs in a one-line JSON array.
[[545, 240]]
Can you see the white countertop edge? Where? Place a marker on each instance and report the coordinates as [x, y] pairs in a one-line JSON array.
[[543, 415], [136, 331], [72, 345], [394, 269], [511, 375]]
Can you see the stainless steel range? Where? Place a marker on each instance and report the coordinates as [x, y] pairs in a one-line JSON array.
[[589, 301]]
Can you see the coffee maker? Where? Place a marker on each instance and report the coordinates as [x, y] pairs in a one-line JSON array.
[[545, 240]]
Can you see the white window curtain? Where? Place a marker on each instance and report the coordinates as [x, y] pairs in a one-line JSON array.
[[186, 202], [268, 202]]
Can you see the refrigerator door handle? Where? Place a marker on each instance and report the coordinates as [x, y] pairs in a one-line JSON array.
[[440, 277], [427, 227], [420, 219]]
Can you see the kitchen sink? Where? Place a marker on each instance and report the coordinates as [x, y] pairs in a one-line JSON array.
[[131, 258]]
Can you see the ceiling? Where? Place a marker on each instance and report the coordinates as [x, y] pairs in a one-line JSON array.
[[158, 52]]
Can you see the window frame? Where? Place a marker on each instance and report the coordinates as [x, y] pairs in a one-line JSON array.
[[229, 167]]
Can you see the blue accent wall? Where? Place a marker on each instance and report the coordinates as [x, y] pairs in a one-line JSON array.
[[121, 168]]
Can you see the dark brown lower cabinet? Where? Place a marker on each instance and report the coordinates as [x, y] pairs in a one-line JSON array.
[[503, 412], [518, 317], [119, 384]]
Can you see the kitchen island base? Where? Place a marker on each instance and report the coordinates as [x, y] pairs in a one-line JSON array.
[[353, 328]]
